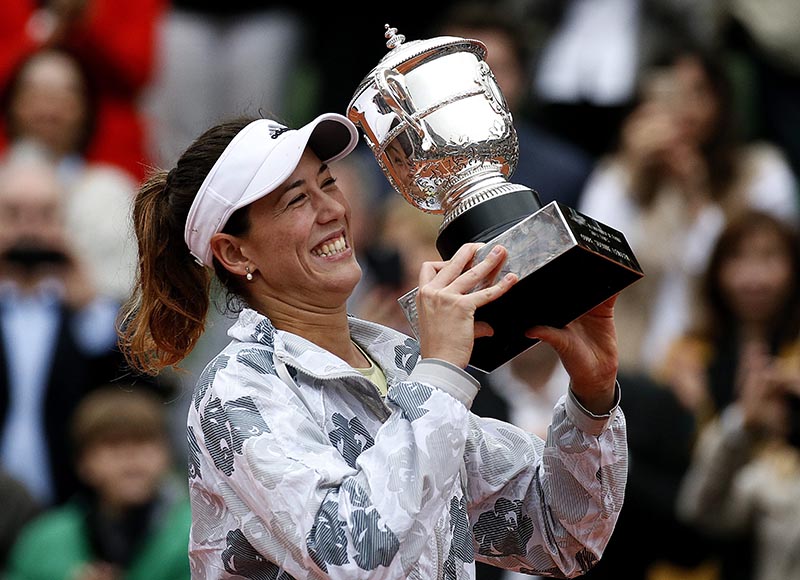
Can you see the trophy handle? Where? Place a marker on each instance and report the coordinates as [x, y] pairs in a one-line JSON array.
[[392, 88], [486, 80]]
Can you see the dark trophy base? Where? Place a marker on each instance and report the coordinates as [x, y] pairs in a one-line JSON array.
[[567, 264]]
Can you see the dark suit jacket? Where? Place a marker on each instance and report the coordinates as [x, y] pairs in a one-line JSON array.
[[73, 373]]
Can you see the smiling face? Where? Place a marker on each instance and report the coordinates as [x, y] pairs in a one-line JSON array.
[[299, 244]]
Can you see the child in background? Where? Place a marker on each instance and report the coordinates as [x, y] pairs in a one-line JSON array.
[[132, 519]]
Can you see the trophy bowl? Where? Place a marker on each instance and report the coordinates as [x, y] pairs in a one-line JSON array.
[[439, 127]]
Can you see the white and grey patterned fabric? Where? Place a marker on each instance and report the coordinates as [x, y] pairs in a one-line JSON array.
[[326, 479]]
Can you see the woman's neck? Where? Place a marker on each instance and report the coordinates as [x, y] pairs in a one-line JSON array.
[[327, 328]]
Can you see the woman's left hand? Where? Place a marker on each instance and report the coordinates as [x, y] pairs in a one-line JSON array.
[[587, 347]]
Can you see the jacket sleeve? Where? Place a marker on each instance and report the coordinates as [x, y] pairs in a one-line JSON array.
[[546, 507], [312, 510]]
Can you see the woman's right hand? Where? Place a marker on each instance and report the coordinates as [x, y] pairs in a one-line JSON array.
[[446, 302]]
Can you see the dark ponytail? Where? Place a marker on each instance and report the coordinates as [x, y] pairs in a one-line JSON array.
[[165, 316]]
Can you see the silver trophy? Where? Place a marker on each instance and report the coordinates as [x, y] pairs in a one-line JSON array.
[[439, 127]]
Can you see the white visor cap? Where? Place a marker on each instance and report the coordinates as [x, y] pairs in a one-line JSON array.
[[258, 160]]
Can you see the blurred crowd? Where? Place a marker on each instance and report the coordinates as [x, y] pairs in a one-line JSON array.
[[676, 122]]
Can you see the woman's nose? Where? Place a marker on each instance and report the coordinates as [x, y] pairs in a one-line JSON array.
[[330, 208]]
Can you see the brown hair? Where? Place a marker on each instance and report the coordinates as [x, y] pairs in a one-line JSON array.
[[111, 414], [165, 316], [719, 320]]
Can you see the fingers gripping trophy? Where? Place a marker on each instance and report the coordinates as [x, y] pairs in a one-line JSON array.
[[439, 127]]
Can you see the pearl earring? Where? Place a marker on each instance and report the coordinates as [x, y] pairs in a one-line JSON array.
[[249, 274]]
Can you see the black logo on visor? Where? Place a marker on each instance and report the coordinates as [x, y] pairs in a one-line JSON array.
[[276, 132]]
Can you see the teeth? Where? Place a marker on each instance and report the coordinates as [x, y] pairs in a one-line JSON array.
[[330, 248]]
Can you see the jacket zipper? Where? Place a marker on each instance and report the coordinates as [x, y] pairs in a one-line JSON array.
[[373, 388]]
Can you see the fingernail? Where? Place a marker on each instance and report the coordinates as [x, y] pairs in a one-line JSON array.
[[496, 250]]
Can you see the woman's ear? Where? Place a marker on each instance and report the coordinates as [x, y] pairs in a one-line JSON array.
[[227, 250]]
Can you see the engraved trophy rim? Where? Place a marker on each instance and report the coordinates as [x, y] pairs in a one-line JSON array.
[[403, 52], [482, 172]]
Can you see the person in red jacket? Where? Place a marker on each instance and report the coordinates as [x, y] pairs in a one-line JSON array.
[[116, 41]]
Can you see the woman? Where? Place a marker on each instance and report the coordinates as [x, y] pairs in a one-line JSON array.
[[679, 174], [744, 479], [323, 446], [748, 301], [739, 371]]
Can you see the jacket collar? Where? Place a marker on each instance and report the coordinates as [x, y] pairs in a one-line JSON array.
[[394, 351]]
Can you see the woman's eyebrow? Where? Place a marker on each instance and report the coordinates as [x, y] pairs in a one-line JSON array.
[[294, 184], [322, 169]]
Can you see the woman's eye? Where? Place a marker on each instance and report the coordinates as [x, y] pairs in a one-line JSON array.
[[297, 199], [331, 181]]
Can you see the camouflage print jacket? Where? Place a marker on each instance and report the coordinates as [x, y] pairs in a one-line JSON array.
[[300, 469]]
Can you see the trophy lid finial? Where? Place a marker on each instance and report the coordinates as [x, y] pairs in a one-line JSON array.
[[393, 39]]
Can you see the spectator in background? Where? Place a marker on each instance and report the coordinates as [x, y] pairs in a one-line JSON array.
[[745, 477], [591, 54], [220, 60], [680, 173], [763, 35], [405, 239], [49, 106], [749, 294], [49, 100], [132, 520], [57, 334], [739, 373], [19, 507], [555, 168], [116, 41]]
